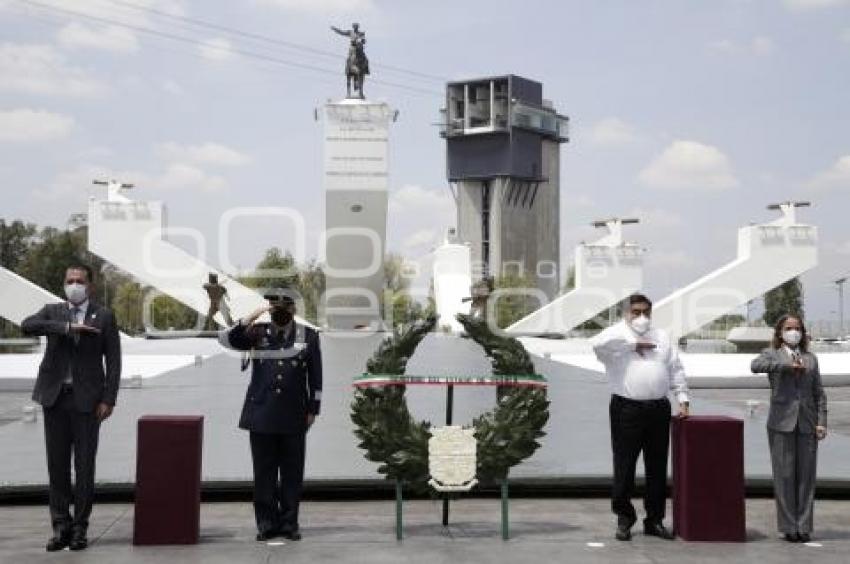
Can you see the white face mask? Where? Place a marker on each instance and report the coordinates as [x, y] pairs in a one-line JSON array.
[[792, 337], [76, 293], [640, 324]]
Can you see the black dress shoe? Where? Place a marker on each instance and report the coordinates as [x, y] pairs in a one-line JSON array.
[[791, 537], [291, 535], [263, 536], [804, 537], [657, 530], [58, 542], [624, 533], [78, 541]]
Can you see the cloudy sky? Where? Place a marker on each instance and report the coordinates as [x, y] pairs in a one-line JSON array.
[[692, 115]]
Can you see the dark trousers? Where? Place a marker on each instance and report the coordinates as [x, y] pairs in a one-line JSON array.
[[639, 426], [278, 477], [69, 433]]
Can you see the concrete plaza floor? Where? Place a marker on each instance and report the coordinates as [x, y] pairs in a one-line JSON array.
[[543, 530]]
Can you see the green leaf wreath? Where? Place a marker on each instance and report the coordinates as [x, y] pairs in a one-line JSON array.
[[506, 435]]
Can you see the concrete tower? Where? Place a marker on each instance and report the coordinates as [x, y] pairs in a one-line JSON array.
[[502, 158]]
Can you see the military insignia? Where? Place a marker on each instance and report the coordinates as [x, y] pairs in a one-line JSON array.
[[452, 459]]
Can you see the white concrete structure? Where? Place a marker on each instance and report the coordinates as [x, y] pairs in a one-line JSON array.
[[355, 180], [768, 255], [131, 235], [452, 282], [703, 370], [21, 298], [606, 271]]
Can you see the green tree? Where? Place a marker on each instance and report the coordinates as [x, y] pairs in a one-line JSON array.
[[48, 258], [513, 307], [167, 314], [276, 260], [16, 239], [127, 307], [311, 286], [307, 280], [569, 280], [785, 298]]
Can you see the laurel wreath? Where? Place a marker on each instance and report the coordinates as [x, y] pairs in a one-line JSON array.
[[391, 437]]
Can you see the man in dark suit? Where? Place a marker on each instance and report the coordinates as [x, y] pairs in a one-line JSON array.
[[281, 404], [77, 394]]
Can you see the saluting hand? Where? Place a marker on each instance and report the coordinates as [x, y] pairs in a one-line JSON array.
[[257, 313]]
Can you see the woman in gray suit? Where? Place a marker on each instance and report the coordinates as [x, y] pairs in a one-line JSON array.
[[795, 424]]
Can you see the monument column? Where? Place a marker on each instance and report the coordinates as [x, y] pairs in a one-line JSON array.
[[355, 182]]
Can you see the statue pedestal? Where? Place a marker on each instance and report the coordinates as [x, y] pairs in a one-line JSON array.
[[355, 181]]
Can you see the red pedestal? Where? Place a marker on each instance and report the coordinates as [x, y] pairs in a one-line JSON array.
[[708, 479], [168, 479]]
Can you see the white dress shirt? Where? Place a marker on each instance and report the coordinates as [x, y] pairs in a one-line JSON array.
[[80, 316], [635, 376]]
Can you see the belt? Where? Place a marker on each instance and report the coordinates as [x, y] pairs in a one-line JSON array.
[[640, 402]]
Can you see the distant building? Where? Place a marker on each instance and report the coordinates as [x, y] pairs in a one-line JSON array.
[[502, 160]]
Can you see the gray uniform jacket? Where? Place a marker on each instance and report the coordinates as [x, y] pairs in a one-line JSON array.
[[795, 398]]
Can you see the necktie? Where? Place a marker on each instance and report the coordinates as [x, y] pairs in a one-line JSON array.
[[75, 318]]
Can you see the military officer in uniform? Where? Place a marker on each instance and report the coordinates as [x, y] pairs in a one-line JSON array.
[[281, 404]]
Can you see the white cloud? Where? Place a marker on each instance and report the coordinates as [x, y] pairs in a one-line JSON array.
[[25, 125], [217, 49], [843, 248], [172, 87], [612, 131], [110, 38], [421, 202], [656, 217], [207, 153], [323, 6], [758, 46], [762, 45], [41, 69], [70, 189], [804, 5], [835, 177], [689, 165], [579, 201], [418, 217], [419, 238], [182, 176]]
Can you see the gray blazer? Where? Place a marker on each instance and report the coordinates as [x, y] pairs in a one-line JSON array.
[[794, 399]]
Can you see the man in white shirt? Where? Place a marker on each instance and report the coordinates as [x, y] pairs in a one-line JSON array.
[[642, 366]]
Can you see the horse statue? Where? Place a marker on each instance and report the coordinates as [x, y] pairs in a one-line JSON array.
[[356, 65]]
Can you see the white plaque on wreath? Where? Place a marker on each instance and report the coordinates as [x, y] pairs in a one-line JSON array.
[[452, 459]]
